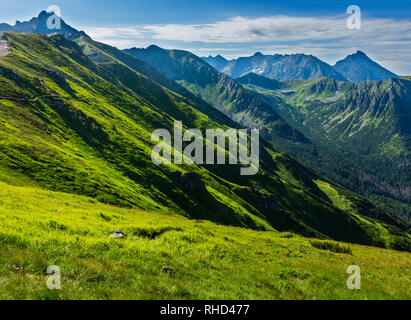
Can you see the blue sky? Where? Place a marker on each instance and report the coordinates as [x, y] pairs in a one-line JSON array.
[[238, 27]]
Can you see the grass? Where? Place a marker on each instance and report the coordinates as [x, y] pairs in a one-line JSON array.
[[39, 228]]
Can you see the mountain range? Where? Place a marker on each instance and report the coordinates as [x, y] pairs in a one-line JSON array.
[[97, 105], [361, 156], [356, 67]]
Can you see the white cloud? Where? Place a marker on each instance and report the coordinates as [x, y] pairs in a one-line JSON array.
[[387, 40], [280, 28]]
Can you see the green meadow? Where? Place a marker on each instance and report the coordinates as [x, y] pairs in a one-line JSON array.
[[39, 228]]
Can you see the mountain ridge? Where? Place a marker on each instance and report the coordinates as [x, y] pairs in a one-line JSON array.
[[219, 90]]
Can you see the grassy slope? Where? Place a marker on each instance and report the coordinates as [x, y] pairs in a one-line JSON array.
[[73, 125], [39, 228]]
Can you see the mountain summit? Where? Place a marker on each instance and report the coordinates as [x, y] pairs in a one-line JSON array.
[[359, 67], [39, 25]]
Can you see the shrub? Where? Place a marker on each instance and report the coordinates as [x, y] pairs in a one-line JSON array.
[[331, 246]]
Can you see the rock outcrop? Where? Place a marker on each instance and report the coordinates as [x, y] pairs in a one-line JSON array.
[[192, 181]]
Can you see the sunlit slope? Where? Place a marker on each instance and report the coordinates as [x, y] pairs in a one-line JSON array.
[[41, 228], [80, 125]]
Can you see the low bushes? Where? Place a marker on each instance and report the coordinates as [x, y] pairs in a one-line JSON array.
[[331, 246]]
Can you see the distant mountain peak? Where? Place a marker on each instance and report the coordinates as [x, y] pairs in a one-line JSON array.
[[39, 25], [217, 57], [276, 66], [218, 62], [360, 53], [44, 14], [154, 47]]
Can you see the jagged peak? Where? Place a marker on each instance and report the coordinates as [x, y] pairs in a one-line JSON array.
[[360, 53], [220, 57], [44, 13]]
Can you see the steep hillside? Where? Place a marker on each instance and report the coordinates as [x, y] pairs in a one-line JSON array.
[[362, 132], [74, 118], [218, 62], [279, 67], [110, 57]]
